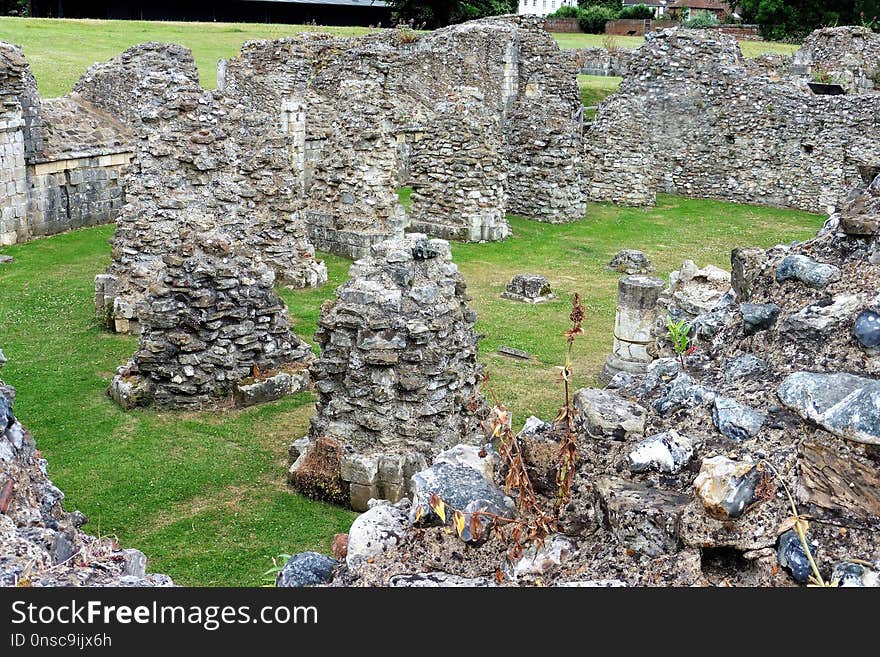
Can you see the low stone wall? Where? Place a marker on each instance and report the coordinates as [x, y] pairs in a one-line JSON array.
[[691, 118], [567, 25], [600, 61], [60, 160]]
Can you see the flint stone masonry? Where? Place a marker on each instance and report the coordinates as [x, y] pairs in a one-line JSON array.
[[61, 160], [480, 119], [199, 157], [849, 55], [214, 329], [718, 130], [528, 288], [397, 376]]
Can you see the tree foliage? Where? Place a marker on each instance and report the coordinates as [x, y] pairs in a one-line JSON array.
[[795, 19], [440, 13]]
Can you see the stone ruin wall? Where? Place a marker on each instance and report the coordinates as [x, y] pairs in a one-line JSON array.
[[361, 109], [214, 331], [690, 118], [849, 55], [200, 157], [397, 377], [60, 159]]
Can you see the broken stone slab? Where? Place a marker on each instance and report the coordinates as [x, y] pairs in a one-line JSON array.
[[605, 414], [376, 530], [666, 452], [484, 460], [844, 404], [514, 353], [306, 569], [861, 225], [458, 486], [642, 518], [682, 392], [807, 271], [536, 561], [131, 391], [821, 319], [736, 421], [758, 316], [528, 288], [438, 579], [6, 259], [696, 291], [135, 563], [744, 366], [745, 267], [259, 391], [630, 261], [727, 488]]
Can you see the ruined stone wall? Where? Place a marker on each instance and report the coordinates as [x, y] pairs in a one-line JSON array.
[[330, 97], [355, 107], [848, 55], [690, 119], [211, 322], [60, 160], [601, 61], [13, 173], [198, 156], [397, 376], [459, 176]]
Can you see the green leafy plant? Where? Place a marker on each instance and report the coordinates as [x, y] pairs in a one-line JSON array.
[[700, 19], [678, 334], [278, 563]]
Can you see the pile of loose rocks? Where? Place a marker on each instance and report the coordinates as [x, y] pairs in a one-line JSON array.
[[685, 471], [41, 544], [397, 377]]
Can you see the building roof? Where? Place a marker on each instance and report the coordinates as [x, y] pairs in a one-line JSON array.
[[718, 5], [346, 3]]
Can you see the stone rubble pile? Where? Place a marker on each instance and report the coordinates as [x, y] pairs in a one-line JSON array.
[[684, 471], [397, 377], [41, 544]]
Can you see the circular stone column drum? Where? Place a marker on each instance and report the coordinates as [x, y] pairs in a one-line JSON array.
[[637, 298]]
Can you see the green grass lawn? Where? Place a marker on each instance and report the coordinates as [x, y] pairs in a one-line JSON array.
[[204, 494], [596, 88], [749, 48], [60, 50]]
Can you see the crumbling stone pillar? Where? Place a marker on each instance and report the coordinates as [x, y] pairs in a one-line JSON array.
[[397, 377], [634, 321], [214, 332]]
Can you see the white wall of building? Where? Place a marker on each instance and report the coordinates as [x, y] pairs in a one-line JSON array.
[[543, 7]]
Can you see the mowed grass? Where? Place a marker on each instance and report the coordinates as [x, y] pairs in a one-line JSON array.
[[60, 50], [596, 88], [749, 48], [204, 494]]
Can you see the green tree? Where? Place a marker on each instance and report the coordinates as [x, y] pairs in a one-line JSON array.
[[795, 19], [15, 7], [439, 13]]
